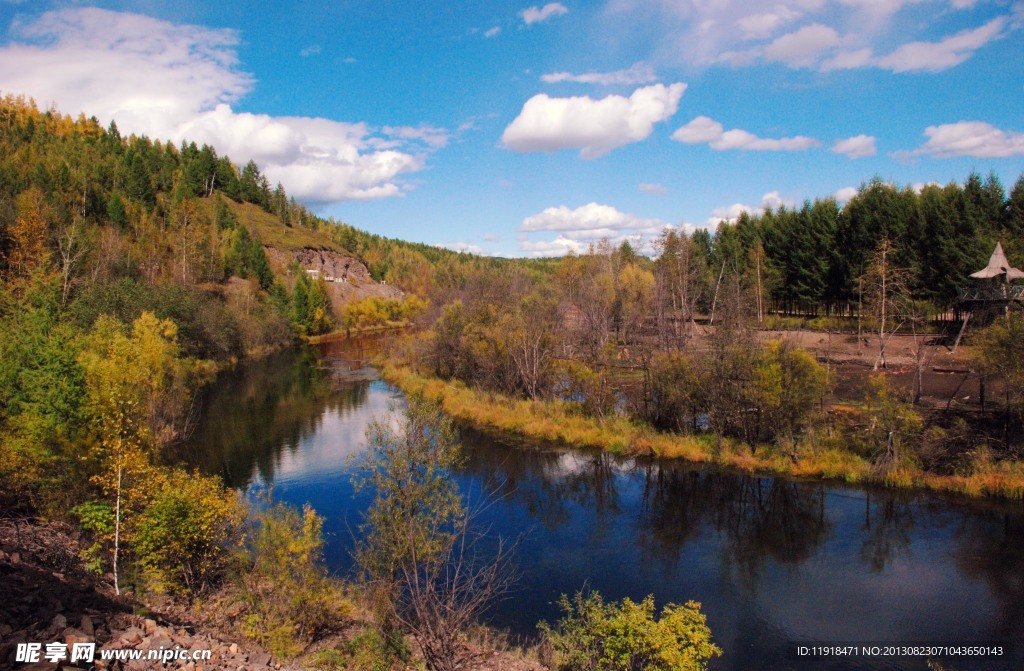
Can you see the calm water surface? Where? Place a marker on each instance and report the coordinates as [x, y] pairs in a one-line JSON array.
[[775, 562]]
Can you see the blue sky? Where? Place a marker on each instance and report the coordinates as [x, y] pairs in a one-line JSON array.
[[517, 129]]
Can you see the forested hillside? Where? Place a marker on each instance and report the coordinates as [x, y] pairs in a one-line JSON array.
[[111, 246]]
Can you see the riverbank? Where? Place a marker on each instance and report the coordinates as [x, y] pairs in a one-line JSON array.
[[342, 334], [814, 456], [52, 598]]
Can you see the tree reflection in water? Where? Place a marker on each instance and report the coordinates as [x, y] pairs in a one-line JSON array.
[[255, 413], [771, 558], [887, 528], [990, 547], [760, 518]]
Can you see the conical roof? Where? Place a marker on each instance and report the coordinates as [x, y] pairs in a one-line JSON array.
[[998, 265]]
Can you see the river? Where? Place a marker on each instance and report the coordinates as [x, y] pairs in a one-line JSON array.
[[776, 563]]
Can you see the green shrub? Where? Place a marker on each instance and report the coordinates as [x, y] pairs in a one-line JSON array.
[[368, 650], [97, 519], [289, 596], [626, 636], [182, 538]]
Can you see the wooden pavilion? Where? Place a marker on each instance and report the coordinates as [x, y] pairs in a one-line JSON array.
[[985, 300]]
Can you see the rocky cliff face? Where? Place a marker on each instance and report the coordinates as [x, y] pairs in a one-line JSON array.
[[347, 278]]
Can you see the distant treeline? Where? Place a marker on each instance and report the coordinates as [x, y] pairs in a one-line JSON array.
[[813, 255]]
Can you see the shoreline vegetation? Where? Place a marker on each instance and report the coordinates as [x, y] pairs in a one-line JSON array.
[[560, 422]]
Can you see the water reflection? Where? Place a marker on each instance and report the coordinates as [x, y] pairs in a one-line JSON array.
[[774, 561]]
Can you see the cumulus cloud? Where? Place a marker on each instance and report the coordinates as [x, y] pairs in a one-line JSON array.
[[536, 14], [316, 159], [560, 246], [857, 146], [146, 73], [595, 127], [638, 73], [705, 130], [174, 82], [584, 225], [976, 139], [770, 200], [846, 194], [467, 248]]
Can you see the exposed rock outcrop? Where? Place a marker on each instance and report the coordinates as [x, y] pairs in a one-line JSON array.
[[348, 280]]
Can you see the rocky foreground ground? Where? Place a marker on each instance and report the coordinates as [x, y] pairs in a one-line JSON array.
[[48, 597]]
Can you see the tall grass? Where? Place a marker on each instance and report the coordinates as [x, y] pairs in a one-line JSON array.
[[561, 422]]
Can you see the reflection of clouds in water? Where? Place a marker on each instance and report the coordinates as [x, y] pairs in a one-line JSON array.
[[327, 452]]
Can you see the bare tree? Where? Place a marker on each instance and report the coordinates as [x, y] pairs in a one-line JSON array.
[[886, 296], [678, 273], [71, 249], [445, 593]]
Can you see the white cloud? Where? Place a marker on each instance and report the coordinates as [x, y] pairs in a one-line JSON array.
[[316, 159], [857, 146], [557, 247], [976, 139], [467, 247], [699, 131], [877, 7], [944, 54], [638, 73], [772, 200], [704, 130], [803, 47], [311, 50], [595, 127], [534, 14], [846, 194], [146, 73], [762, 25], [174, 82], [585, 225], [823, 34], [431, 136], [492, 32], [924, 56], [654, 189], [848, 60]]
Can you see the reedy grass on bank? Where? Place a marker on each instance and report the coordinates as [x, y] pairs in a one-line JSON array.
[[560, 422]]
